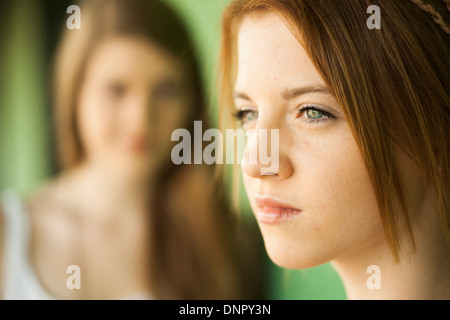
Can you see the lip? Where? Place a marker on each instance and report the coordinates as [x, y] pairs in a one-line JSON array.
[[271, 210], [138, 145]]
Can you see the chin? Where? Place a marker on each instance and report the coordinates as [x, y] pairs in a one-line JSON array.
[[296, 256]]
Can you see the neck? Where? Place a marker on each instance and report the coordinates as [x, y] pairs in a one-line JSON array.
[[424, 274]]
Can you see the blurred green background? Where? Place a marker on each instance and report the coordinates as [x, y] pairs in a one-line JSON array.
[[29, 30]]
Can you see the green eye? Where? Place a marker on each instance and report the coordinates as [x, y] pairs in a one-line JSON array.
[[246, 116], [314, 114], [250, 115]]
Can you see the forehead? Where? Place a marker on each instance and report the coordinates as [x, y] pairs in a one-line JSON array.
[[269, 52], [130, 56]]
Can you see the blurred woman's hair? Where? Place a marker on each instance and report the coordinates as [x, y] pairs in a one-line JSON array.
[[393, 85], [187, 261]]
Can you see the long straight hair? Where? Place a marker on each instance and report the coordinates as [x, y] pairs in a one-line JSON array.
[[187, 262], [393, 85]]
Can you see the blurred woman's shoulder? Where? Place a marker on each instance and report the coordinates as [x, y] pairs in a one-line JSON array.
[[45, 195], [50, 213], [46, 198], [52, 234]]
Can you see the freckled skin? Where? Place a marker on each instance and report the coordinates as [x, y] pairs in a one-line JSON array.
[[322, 173], [321, 168]]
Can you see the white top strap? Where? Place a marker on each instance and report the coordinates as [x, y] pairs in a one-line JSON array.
[[19, 279]]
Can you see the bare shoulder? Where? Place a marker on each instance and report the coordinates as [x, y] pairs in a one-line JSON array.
[[45, 196], [53, 236], [49, 201], [52, 218], [49, 211]]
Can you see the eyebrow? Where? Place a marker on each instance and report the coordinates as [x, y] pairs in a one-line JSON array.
[[288, 94], [241, 95]]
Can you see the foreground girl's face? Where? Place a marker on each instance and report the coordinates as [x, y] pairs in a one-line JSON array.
[[320, 205], [132, 97]]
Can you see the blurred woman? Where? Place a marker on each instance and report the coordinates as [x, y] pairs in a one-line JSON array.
[[363, 120], [136, 225]]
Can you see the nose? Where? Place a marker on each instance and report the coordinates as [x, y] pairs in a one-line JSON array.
[[139, 113], [262, 141]]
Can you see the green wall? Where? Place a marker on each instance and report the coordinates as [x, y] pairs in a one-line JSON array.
[[24, 121], [24, 143]]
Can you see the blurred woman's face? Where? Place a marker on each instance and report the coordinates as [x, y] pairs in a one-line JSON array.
[[321, 204], [132, 97]]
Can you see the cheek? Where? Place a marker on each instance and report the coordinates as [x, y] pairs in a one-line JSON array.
[[334, 177], [341, 210], [341, 206], [331, 185], [96, 123]]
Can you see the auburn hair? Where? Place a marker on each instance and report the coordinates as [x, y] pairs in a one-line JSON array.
[[393, 84]]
